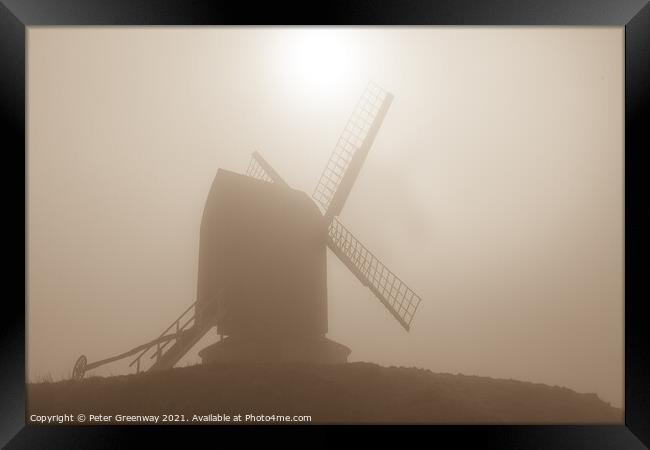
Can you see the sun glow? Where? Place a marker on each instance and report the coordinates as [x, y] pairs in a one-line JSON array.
[[319, 61]]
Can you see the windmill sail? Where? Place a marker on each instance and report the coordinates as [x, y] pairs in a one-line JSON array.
[[396, 296], [260, 169], [351, 149]]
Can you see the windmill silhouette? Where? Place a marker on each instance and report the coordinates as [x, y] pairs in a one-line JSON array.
[[262, 279]]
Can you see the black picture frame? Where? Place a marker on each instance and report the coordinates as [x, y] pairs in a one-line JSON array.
[[634, 15]]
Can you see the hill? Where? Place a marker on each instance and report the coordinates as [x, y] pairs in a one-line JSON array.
[[346, 393]]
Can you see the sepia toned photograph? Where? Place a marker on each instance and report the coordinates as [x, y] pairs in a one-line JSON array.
[[325, 225]]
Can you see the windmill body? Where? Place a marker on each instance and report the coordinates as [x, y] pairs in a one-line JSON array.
[[263, 273]]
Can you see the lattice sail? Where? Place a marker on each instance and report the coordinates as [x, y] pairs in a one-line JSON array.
[[262, 170], [351, 149], [255, 170], [397, 297]]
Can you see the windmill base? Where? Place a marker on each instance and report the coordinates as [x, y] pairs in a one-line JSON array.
[[315, 350]]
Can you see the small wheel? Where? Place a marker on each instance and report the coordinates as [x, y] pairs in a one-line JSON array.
[[79, 368]]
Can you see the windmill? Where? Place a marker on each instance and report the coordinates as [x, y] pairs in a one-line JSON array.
[[262, 278]]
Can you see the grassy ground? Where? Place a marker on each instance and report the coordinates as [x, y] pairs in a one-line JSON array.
[[347, 393]]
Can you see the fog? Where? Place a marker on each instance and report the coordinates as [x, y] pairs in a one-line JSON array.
[[494, 187]]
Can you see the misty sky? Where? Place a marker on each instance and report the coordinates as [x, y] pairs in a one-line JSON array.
[[494, 188]]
